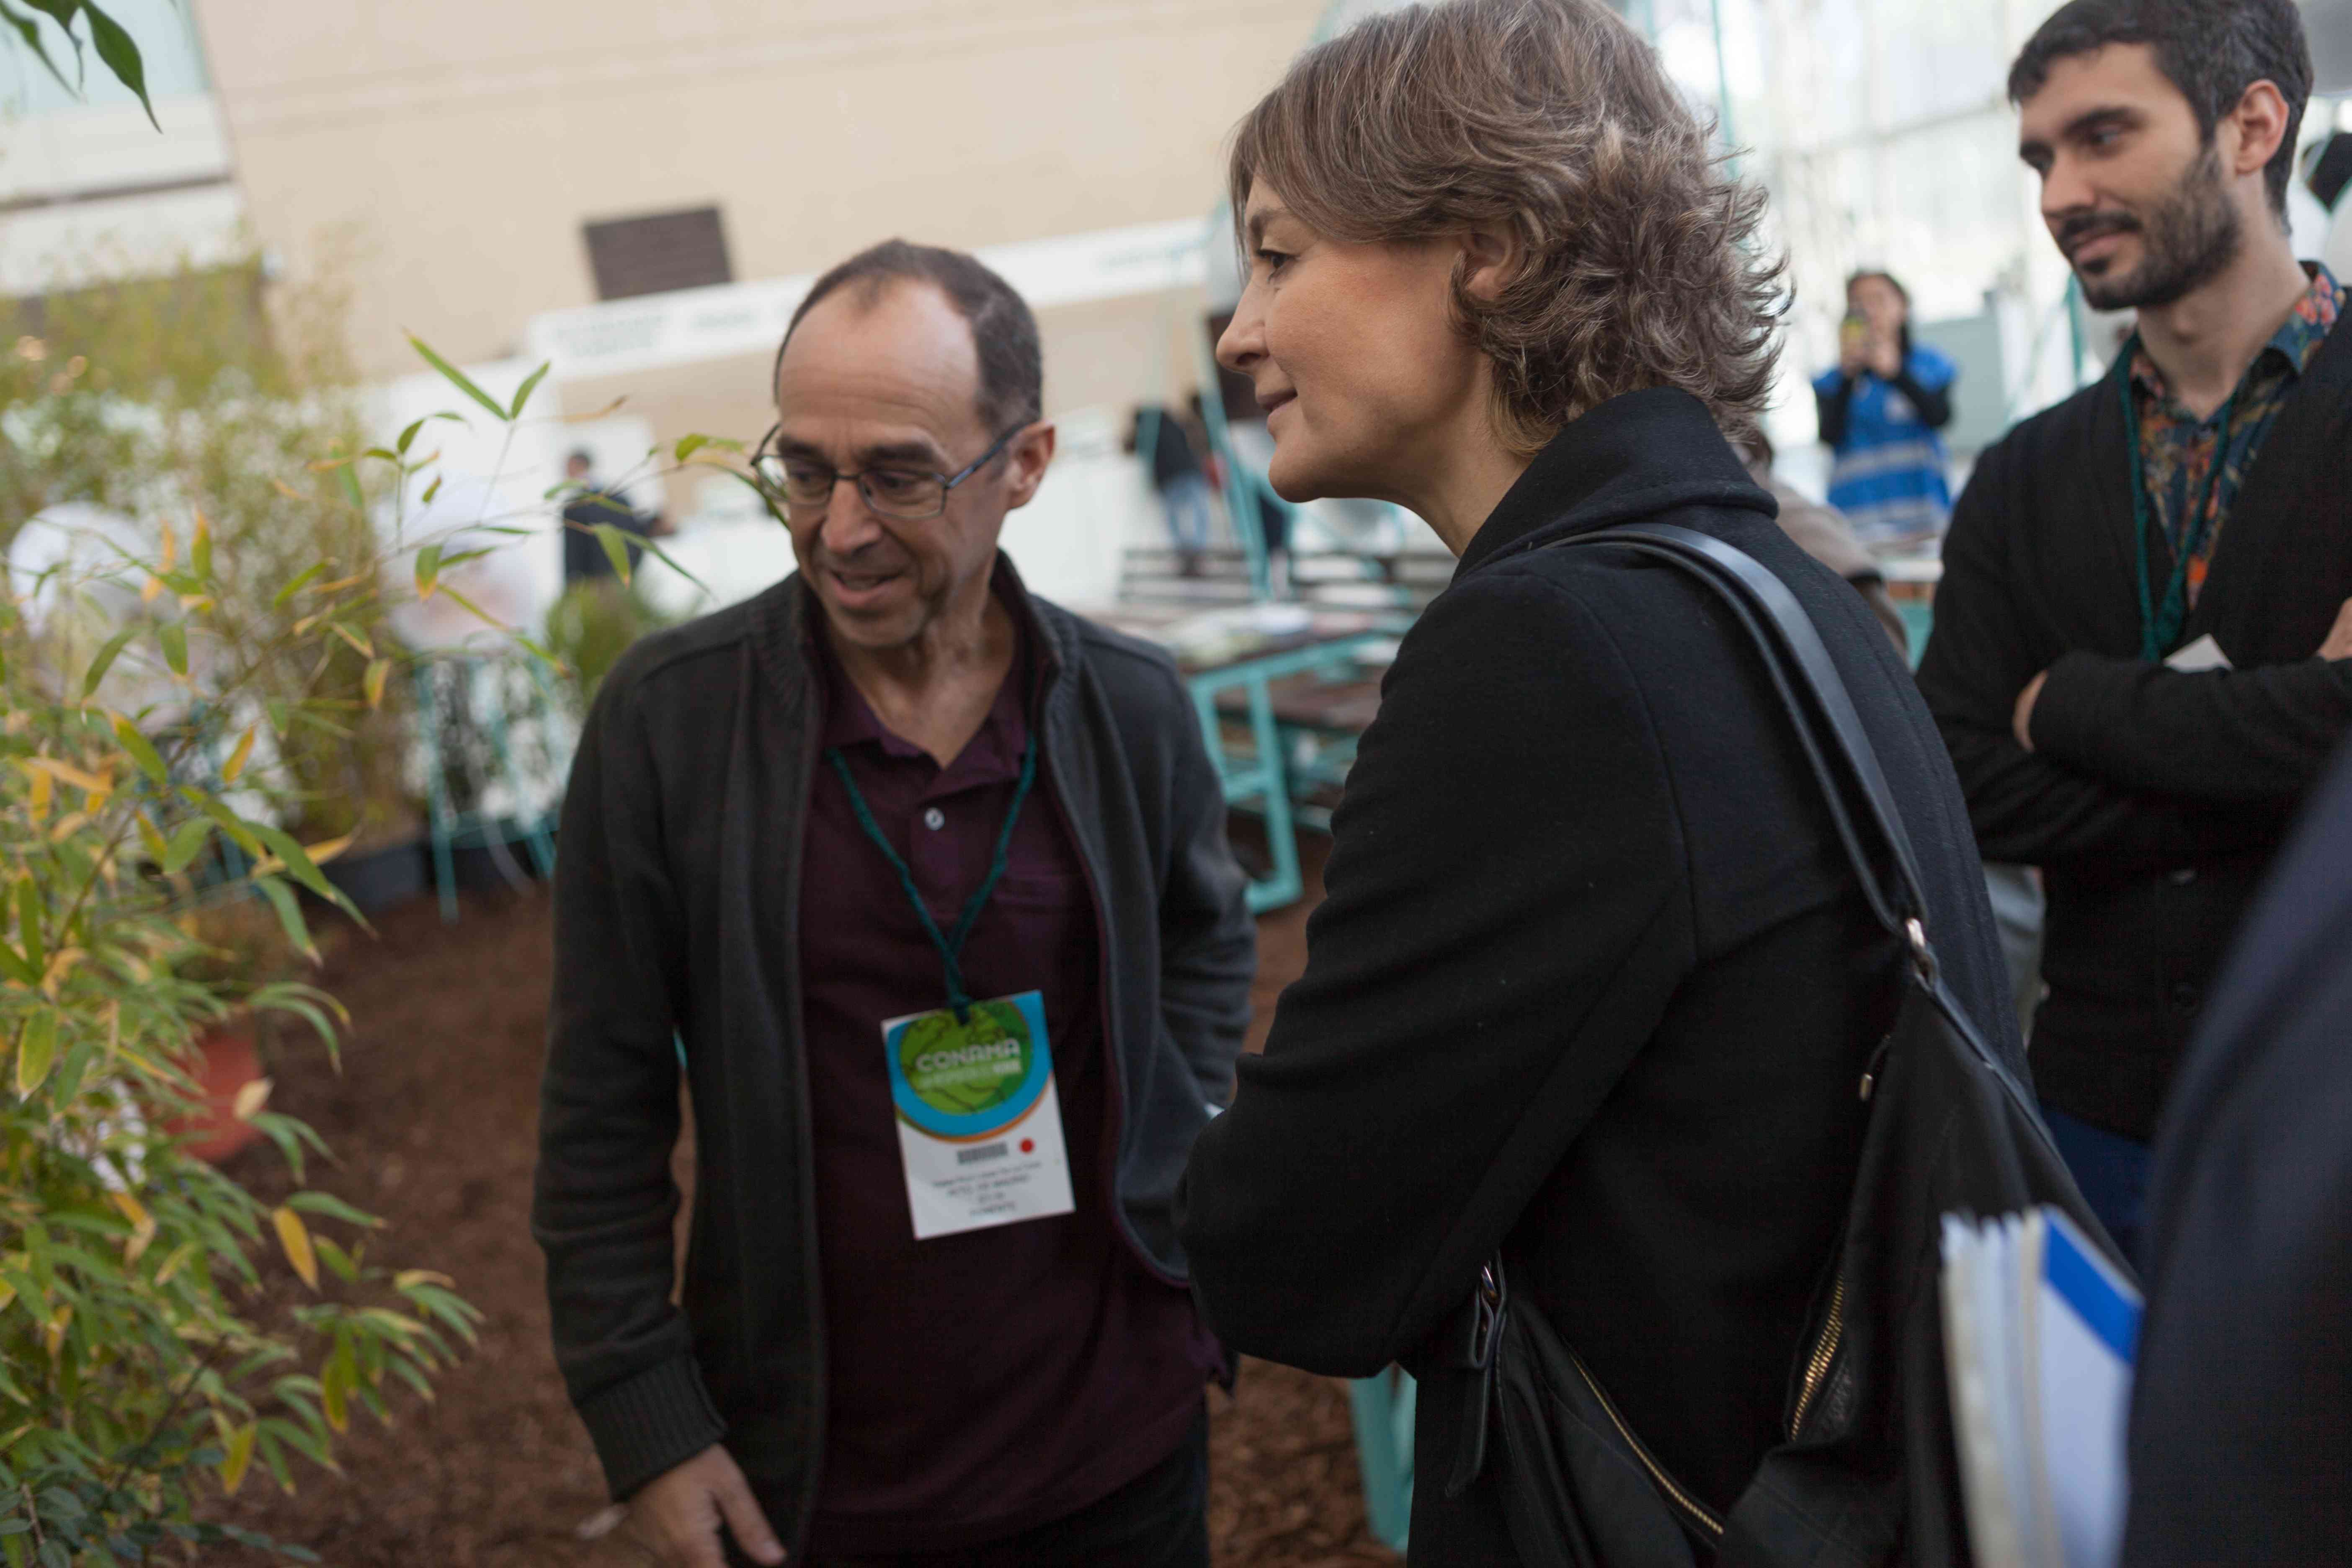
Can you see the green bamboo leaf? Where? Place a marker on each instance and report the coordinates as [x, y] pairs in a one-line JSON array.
[[29, 911], [333, 1207], [174, 636], [617, 549], [350, 480], [428, 568], [337, 1260], [36, 1047], [231, 824], [530, 385], [456, 377], [106, 657], [187, 842], [284, 845], [663, 556], [142, 750], [12, 965], [30, 31], [296, 586], [289, 915], [121, 56], [431, 490]]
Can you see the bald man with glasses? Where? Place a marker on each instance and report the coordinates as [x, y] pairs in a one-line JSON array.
[[924, 881]]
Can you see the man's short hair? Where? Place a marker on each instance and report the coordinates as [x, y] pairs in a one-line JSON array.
[[2212, 50], [581, 456], [1004, 330]]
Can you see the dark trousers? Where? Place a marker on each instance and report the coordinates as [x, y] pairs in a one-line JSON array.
[[2112, 1171], [1159, 1519]]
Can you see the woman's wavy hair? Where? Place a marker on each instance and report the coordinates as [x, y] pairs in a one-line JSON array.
[[1553, 117]]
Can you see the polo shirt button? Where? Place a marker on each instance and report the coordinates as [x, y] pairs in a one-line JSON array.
[[935, 819]]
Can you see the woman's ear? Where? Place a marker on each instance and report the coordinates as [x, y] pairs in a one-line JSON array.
[[1492, 257]]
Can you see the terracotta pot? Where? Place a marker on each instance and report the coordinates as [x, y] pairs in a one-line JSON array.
[[228, 1065]]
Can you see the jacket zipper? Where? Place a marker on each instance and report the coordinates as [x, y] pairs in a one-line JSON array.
[[1824, 1350], [1693, 1510]]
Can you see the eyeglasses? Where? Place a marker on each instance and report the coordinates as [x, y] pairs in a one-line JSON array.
[[906, 495]]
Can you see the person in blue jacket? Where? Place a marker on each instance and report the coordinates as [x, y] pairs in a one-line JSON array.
[[1880, 409]]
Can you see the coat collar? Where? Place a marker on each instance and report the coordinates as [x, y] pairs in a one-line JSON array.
[[1635, 456]]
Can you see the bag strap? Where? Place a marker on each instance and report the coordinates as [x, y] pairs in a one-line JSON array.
[[1795, 655]]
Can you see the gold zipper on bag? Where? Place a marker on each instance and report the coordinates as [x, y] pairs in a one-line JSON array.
[[1825, 1352], [1697, 1511]]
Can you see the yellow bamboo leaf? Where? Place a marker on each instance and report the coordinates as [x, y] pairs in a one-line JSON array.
[[66, 772], [60, 965], [375, 674], [171, 548], [195, 601], [252, 1097], [151, 840], [172, 1264], [8, 1295], [238, 1457], [53, 1332], [236, 759], [289, 491], [142, 1227], [148, 595], [366, 648], [327, 849], [339, 583], [296, 1239], [132, 1209], [37, 799], [67, 826], [407, 1279]]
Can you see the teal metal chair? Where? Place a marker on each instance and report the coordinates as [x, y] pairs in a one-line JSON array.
[[478, 794]]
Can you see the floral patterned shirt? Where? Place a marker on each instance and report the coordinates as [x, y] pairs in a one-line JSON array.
[[2177, 448]]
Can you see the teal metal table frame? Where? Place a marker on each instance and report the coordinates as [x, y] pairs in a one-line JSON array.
[[1259, 779]]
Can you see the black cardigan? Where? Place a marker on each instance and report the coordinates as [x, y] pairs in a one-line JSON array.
[[1592, 975], [2153, 800]]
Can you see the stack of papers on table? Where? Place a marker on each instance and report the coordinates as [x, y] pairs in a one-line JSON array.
[[2039, 1336]]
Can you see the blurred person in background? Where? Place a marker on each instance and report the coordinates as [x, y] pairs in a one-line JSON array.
[[1823, 532], [912, 874], [1160, 438], [2137, 659], [1595, 981], [1879, 411], [585, 558]]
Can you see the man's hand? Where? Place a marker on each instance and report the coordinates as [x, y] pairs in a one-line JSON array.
[[679, 1511], [1853, 356], [2021, 722], [2339, 635]]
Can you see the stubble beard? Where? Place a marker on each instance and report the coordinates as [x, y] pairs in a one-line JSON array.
[[2188, 240]]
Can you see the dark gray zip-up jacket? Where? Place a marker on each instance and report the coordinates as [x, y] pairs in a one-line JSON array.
[[677, 896]]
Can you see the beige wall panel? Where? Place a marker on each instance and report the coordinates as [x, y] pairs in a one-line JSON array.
[[463, 144]]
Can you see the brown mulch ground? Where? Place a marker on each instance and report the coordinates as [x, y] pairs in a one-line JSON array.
[[432, 1120]]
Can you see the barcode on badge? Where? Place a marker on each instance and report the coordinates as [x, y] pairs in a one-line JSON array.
[[979, 1151]]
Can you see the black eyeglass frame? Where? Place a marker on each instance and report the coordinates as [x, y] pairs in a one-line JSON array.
[[947, 482]]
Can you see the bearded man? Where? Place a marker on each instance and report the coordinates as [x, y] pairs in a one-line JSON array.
[[2139, 660]]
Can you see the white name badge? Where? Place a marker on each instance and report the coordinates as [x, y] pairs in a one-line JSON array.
[[980, 1123]]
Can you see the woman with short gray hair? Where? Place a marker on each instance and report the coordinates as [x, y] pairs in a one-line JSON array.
[[1594, 982]]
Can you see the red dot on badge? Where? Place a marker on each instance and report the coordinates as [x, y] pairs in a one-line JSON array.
[[1028, 1145]]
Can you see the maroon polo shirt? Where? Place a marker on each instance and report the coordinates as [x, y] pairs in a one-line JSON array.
[[992, 1380]]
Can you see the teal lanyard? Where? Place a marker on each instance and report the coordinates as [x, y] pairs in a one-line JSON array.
[[951, 945], [2160, 625]]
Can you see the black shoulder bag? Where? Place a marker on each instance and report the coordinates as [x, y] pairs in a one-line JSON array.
[[1867, 1472]]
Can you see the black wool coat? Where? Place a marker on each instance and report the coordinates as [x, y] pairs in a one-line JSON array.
[[2241, 1411], [2154, 800], [1593, 981]]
